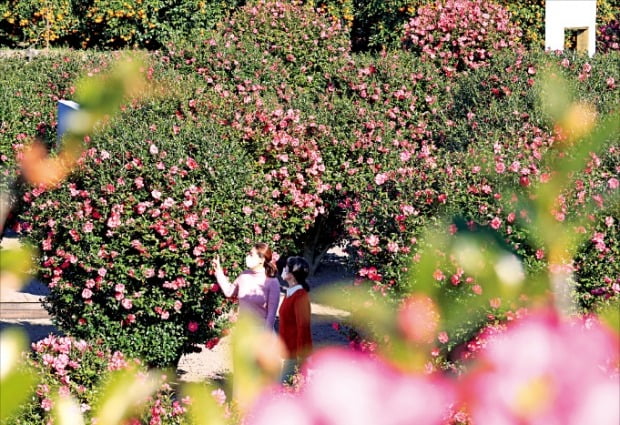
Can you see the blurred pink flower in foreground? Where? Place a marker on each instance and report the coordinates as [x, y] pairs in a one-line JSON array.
[[344, 387], [547, 370]]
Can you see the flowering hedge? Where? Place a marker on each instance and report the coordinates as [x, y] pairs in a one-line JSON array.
[[151, 24], [68, 366], [296, 141], [608, 36], [461, 34], [126, 240]]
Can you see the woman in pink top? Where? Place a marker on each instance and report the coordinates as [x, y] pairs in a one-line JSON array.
[[257, 287]]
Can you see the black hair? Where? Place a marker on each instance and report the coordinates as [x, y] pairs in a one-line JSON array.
[[300, 269]]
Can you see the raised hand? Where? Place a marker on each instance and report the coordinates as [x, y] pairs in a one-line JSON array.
[[215, 262]]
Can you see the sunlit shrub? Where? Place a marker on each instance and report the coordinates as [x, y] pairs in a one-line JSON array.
[[461, 34], [68, 366], [608, 36], [107, 24], [272, 139], [139, 210], [27, 23]]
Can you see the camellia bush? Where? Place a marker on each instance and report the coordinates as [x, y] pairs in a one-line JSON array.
[[254, 135], [69, 367], [461, 34], [608, 36], [127, 239]]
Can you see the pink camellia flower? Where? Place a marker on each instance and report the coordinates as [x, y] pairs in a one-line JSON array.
[[168, 203], [156, 194], [114, 221], [177, 305], [380, 178], [192, 326], [47, 404], [345, 387], [87, 293], [153, 150], [219, 395], [524, 181], [392, 247], [535, 373], [438, 275], [127, 304], [372, 240], [613, 183], [496, 223], [88, 227], [191, 163]]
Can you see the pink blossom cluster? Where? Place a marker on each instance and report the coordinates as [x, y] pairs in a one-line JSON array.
[[173, 219], [530, 372], [344, 387], [61, 362], [75, 367], [608, 36], [461, 34]]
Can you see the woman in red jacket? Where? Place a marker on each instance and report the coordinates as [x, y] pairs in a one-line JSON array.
[[295, 315]]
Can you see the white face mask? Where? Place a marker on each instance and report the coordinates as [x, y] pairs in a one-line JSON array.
[[252, 261], [284, 273]]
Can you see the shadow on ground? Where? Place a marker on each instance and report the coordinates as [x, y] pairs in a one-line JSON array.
[[36, 329]]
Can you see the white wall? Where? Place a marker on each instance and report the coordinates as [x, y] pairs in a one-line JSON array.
[[561, 14]]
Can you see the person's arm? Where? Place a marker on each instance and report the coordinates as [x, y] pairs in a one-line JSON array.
[[229, 289], [304, 332], [273, 299]]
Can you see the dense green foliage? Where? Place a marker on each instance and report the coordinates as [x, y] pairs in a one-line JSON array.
[[111, 24], [271, 129]]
